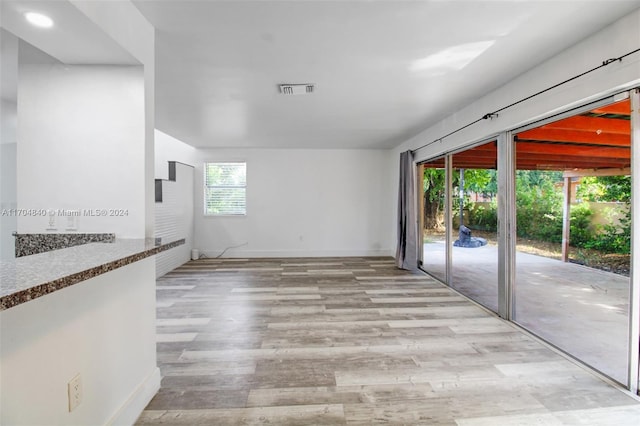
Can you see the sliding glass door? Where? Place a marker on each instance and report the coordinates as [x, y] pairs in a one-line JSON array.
[[474, 224], [573, 197], [433, 218], [537, 226]]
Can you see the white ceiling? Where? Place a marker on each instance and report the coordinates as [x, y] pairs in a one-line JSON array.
[[219, 64], [73, 39]]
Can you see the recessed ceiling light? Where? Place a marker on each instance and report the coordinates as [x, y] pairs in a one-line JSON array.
[[39, 20]]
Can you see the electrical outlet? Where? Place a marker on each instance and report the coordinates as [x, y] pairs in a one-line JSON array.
[[72, 223], [51, 224], [75, 392]]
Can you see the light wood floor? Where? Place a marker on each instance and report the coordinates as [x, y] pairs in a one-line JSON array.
[[354, 341]]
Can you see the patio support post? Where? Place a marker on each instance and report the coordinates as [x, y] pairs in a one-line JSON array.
[[566, 219], [634, 288], [506, 226], [461, 188]]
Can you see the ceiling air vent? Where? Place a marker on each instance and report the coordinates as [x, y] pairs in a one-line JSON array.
[[297, 89]]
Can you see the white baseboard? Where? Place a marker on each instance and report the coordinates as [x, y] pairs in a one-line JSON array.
[[239, 253], [139, 399]]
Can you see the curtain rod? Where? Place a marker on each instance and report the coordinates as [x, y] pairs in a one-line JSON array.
[[494, 114]]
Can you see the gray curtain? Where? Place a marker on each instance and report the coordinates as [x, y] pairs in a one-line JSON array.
[[407, 251]]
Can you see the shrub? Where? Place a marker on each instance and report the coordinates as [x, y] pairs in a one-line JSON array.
[[614, 238], [581, 232], [539, 204], [483, 217]]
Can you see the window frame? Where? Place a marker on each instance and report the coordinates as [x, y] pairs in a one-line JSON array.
[[207, 186]]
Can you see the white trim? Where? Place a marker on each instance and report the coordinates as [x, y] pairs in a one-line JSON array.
[[138, 400], [213, 253]]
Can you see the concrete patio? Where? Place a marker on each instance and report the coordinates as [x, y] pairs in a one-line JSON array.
[[581, 310]]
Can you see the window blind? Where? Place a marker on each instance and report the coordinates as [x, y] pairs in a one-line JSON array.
[[225, 189]]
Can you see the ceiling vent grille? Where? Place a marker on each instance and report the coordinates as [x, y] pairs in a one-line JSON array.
[[297, 89]]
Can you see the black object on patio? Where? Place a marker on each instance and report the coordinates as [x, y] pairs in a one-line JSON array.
[[466, 240]]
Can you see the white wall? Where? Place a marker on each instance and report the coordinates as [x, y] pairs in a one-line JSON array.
[[168, 148], [89, 142], [103, 329], [615, 40], [123, 22], [8, 200], [82, 146], [174, 219], [301, 203], [8, 222], [8, 123]]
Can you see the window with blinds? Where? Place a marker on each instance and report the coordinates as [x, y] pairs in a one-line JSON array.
[[225, 191]]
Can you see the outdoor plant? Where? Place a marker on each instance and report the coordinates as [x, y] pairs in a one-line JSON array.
[[615, 238], [433, 197], [484, 217], [539, 205], [582, 232]]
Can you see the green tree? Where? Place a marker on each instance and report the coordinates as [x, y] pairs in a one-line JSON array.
[[605, 188], [539, 205], [481, 181], [433, 190], [476, 181]]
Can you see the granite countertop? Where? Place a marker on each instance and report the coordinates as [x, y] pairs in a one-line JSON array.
[[29, 277]]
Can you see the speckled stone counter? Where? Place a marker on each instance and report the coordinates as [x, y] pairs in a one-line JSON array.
[[30, 277], [28, 244]]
